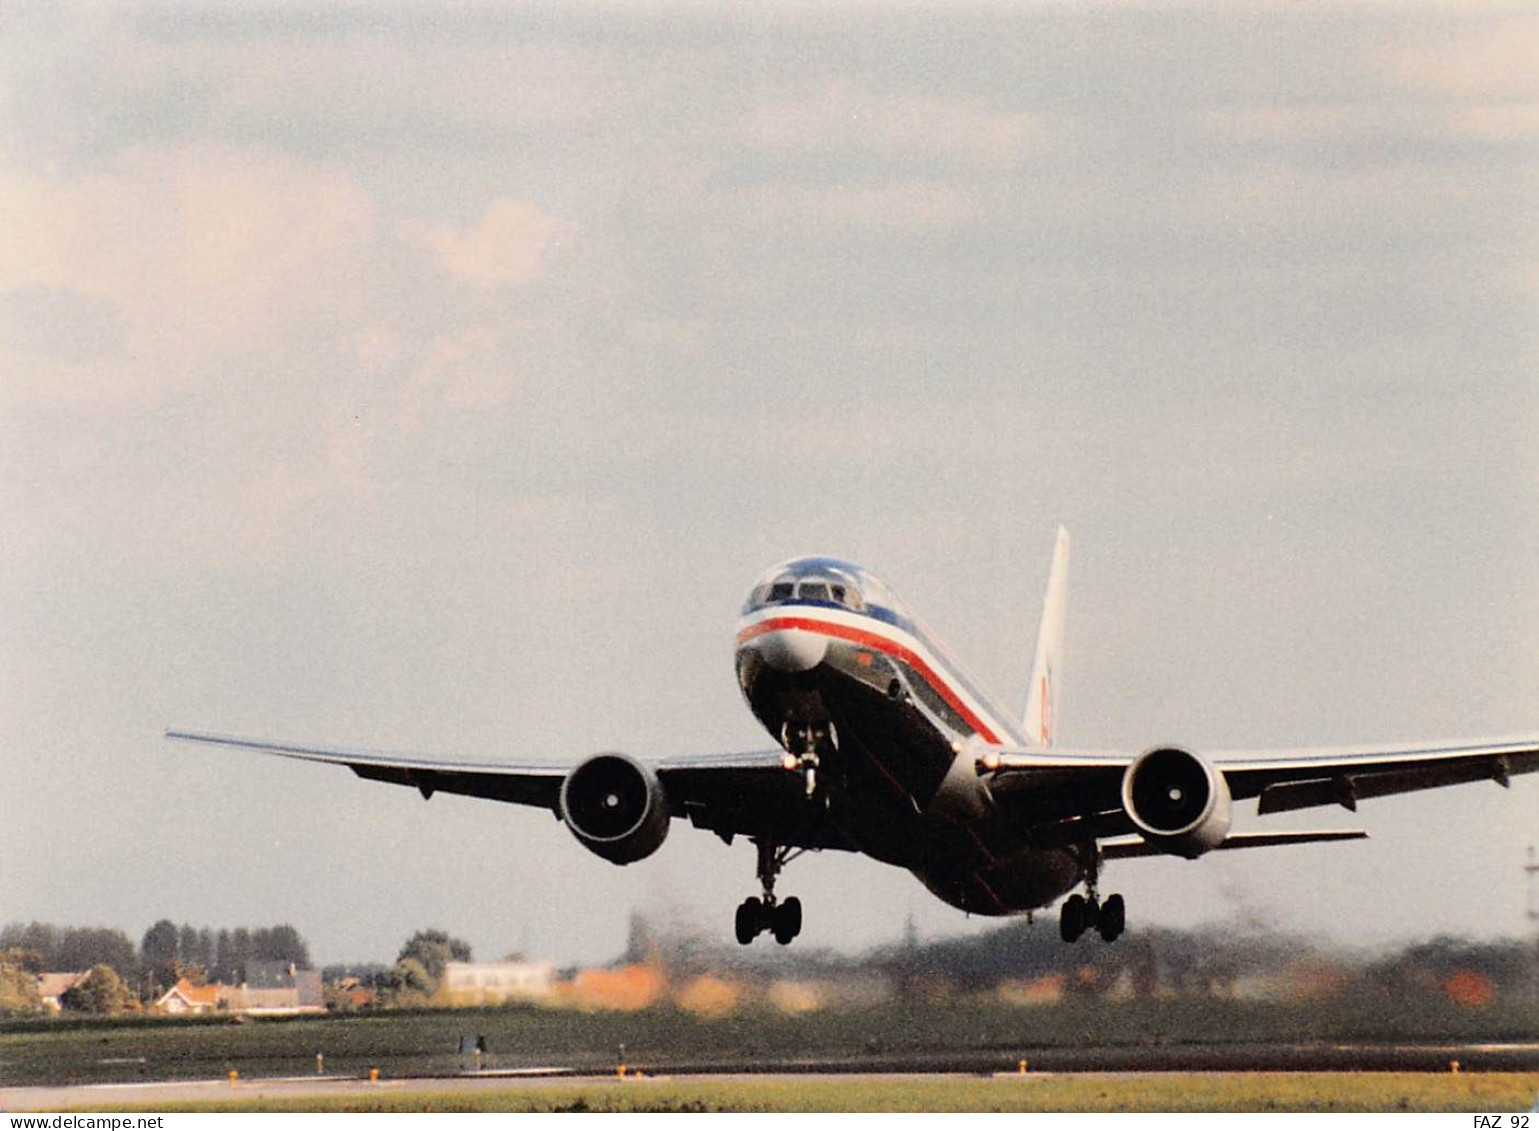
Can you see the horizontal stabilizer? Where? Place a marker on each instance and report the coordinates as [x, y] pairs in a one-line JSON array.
[[1126, 847]]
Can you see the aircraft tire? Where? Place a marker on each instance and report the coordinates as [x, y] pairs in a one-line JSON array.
[[787, 920], [1113, 918], [750, 913], [1071, 918]]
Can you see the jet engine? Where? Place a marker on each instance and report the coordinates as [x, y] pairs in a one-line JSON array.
[[1177, 801], [615, 807]]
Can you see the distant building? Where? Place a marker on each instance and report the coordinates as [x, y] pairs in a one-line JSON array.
[[350, 993], [271, 987], [51, 987], [184, 997], [486, 983], [280, 987]]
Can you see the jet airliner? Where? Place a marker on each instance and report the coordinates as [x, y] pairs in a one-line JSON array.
[[886, 747]]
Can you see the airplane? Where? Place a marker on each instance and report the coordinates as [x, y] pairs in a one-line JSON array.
[[886, 747]]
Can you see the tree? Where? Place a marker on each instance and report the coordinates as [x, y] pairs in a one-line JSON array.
[[43, 938], [80, 948], [100, 991], [18, 985], [223, 967], [203, 952], [281, 944], [240, 954], [187, 943], [434, 949], [29, 960], [157, 952]]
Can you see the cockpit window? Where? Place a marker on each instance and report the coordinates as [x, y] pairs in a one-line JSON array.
[[847, 596], [824, 580]]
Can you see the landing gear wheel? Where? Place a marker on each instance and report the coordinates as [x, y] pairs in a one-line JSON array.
[[757, 914], [1071, 918], [1112, 919], [750, 913], [786, 920]]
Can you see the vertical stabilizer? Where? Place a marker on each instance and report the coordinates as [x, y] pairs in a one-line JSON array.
[[1047, 668]]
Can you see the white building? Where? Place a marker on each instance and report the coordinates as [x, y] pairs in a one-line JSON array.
[[486, 983]]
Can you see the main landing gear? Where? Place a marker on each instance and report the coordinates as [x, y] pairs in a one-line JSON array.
[[1081, 913], [755, 915]]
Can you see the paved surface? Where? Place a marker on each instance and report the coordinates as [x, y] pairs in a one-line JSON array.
[[1509, 1057]]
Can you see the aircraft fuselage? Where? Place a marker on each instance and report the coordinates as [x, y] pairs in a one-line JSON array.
[[831, 663]]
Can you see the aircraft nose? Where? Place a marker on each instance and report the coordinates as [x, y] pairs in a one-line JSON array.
[[792, 649]]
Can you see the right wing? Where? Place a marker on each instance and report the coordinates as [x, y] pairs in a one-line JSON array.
[[729, 794], [522, 785]]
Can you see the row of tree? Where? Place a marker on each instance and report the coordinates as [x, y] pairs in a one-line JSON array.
[[201, 954], [166, 953], [121, 977]]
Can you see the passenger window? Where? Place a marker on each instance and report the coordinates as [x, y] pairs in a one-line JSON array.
[[812, 591]]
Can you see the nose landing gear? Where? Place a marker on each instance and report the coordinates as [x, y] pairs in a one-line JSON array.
[[756, 915], [803, 743], [1081, 913]]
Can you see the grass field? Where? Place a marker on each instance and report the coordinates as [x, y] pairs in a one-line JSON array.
[[1259, 1092], [403, 1044]]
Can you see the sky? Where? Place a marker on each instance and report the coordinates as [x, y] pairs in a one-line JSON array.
[[438, 378]]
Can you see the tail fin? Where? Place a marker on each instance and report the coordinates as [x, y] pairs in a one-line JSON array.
[[1047, 668]]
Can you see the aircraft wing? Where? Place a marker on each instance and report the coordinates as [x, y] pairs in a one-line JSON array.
[[521, 785], [1343, 776], [1065, 794], [729, 794]]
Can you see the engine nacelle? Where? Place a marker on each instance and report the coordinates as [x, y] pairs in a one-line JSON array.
[[1177, 801], [615, 807]]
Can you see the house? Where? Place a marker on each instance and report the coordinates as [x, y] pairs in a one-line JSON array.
[[184, 997], [270, 987], [351, 994], [486, 983], [51, 987], [280, 987]]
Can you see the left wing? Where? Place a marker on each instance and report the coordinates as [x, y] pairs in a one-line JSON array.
[[1069, 795], [1343, 776], [1125, 848]]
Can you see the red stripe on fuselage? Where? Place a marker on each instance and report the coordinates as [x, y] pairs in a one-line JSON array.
[[878, 643]]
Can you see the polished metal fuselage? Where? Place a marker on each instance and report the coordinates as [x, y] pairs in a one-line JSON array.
[[898, 715]]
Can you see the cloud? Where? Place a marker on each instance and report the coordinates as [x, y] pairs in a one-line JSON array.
[[1498, 122], [506, 247], [916, 205], [173, 259], [839, 115], [468, 371], [1312, 123], [1496, 61]]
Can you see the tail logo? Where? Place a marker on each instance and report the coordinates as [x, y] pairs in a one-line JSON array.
[[1047, 727]]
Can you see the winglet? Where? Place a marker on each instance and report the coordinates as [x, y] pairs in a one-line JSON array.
[[1041, 715]]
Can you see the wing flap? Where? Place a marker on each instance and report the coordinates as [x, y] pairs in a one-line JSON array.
[[1133, 847], [1344, 777]]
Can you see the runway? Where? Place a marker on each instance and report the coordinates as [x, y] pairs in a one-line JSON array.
[[1493, 1057]]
